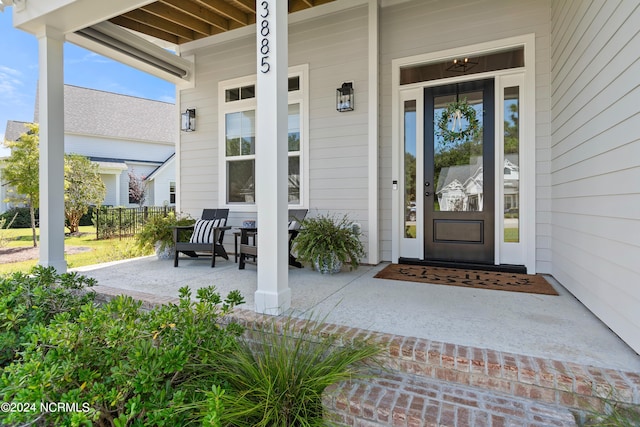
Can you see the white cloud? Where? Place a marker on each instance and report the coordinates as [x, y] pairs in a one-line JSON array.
[[169, 99], [89, 57], [10, 82], [7, 70]]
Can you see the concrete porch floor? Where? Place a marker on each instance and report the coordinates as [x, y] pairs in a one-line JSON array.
[[554, 327]]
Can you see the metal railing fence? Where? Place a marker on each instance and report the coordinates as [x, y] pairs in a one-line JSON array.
[[125, 222]]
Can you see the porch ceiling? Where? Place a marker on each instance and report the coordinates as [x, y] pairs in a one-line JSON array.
[[182, 21]]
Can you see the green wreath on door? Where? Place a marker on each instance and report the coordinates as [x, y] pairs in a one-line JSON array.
[[458, 111]]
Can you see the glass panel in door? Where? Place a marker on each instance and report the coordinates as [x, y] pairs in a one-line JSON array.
[[459, 172], [458, 163], [410, 171]]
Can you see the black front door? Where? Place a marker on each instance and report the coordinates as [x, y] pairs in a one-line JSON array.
[[459, 172]]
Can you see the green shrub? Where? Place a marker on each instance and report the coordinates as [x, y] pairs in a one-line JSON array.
[[29, 301], [120, 365], [87, 219], [159, 228], [22, 217], [278, 375], [325, 239]]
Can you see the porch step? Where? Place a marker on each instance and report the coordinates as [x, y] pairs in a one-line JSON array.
[[429, 383], [456, 379], [396, 399]]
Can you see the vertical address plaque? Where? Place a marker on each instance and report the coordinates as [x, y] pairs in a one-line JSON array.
[[263, 46]]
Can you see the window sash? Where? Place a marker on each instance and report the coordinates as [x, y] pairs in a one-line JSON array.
[[235, 151], [240, 155]]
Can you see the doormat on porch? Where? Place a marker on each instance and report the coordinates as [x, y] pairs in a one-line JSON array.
[[534, 284]]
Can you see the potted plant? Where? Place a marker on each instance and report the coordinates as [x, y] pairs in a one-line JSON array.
[[327, 242], [157, 234]]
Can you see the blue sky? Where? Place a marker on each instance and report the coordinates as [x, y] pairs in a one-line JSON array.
[[19, 74]]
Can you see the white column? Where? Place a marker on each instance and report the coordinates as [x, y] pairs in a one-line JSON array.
[[51, 117], [273, 295], [373, 250], [118, 189]]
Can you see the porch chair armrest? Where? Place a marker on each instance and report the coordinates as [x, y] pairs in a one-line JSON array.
[[181, 229]]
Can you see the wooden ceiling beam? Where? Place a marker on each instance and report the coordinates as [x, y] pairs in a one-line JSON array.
[[298, 5], [160, 23], [199, 12], [249, 6], [226, 10], [145, 29], [178, 17], [180, 21]]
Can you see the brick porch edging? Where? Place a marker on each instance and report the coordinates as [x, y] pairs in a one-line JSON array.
[[393, 399], [554, 382], [564, 384]]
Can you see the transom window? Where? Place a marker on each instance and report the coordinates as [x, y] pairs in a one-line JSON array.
[[238, 115], [454, 67]]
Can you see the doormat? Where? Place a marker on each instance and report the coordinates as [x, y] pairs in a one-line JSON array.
[[514, 282]]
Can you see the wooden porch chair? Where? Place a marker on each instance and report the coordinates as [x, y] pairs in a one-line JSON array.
[[251, 250], [206, 237]]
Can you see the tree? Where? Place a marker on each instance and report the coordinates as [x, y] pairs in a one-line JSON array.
[[512, 130], [137, 188], [83, 187], [21, 172]]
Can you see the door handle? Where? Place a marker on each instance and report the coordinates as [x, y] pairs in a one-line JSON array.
[[426, 193], [426, 184]]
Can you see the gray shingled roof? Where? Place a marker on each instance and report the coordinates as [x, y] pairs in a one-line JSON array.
[[460, 173], [14, 130], [94, 112]]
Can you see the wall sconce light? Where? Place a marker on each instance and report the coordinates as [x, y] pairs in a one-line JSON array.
[[189, 120], [344, 97]]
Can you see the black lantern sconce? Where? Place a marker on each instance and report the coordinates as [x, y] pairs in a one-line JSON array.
[[189, 120], [344, 97]]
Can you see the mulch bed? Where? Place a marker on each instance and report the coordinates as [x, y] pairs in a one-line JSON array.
[[26, 253]]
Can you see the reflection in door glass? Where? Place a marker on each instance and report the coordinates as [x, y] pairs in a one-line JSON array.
[[458, 166], [410, 169], [511, 164]]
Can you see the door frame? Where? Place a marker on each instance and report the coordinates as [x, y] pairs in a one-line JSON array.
[[525, 253]]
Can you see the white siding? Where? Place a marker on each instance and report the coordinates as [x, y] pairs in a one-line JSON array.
[[420, 27], [92, 146], [143, 157], [109, 180], [159, 186], [594, 158], [335, 49]]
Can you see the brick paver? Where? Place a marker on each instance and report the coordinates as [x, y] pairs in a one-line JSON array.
[[392, 399]]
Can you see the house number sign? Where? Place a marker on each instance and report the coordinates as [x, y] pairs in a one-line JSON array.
[[263, 46]]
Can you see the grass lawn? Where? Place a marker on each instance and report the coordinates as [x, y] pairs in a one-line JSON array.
[[99, 250]]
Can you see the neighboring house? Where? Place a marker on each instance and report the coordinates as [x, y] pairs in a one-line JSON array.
[[121, 134], [12, 133], [569, 69]]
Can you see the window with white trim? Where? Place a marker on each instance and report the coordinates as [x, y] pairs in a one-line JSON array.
[[237, 114], [172, 192]]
